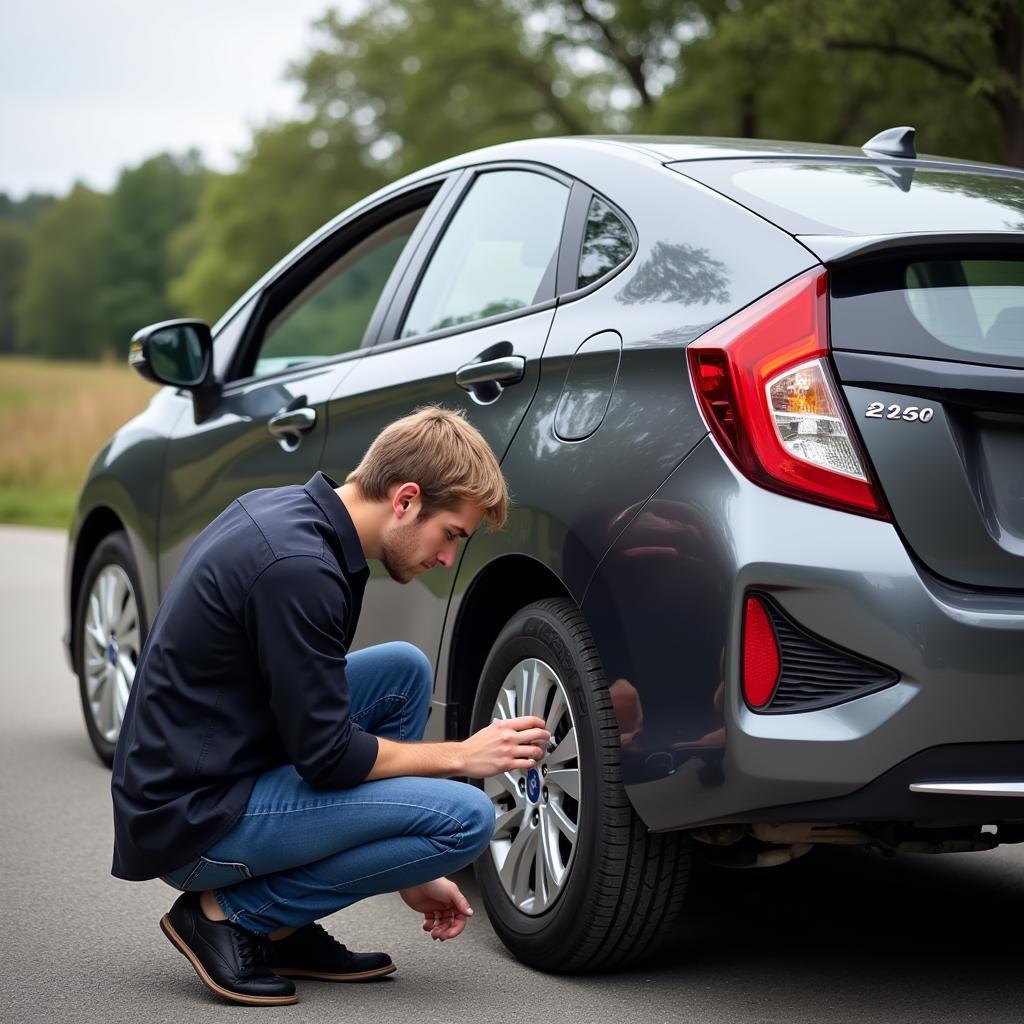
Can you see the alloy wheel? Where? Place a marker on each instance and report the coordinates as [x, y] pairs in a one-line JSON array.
[[537, 811], [111, 647]]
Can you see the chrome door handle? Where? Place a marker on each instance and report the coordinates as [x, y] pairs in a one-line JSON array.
[[288, 424], [506, 370]]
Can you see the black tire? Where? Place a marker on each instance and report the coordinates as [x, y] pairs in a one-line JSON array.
[[624, 891], [112, 550]]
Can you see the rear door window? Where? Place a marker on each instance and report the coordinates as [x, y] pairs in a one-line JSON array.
[[498, 254]]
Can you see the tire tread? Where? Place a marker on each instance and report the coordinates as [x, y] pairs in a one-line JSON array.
[[641, 876]]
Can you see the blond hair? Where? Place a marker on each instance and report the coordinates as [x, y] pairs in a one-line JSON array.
[[443, 452]]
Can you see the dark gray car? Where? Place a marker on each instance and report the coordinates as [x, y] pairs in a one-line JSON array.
[[761, 409]]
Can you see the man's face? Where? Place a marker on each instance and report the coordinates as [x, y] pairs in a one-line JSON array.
[[411, 545]]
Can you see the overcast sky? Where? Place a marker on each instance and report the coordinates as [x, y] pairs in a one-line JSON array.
[[90, 86]]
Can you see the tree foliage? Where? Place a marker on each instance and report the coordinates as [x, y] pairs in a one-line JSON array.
[[14, 248], [57, 313], [149, 204], [398, 84], [96, 267]]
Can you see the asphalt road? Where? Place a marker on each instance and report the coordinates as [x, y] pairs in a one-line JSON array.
[[840, 936]]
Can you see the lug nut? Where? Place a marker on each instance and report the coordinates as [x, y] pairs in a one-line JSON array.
[[536, 817], [522, 785], [545, 794], [543, 769]]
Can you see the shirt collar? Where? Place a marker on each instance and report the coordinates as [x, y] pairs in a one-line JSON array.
[[321, 488]]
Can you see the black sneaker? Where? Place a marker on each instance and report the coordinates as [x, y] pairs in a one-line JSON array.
[[229, 960], [310, 952]]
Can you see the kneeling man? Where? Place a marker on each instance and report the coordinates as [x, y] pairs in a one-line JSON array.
[[274, 778]]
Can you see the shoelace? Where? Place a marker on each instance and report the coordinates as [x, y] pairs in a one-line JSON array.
[[323, 935], [251, 951]]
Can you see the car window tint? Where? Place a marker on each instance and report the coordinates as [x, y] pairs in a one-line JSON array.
[[606, 243], [495, 253], [330, 315], [974, 305]]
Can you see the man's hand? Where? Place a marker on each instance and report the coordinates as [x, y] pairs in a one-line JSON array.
[[504, 745], [445, 910]]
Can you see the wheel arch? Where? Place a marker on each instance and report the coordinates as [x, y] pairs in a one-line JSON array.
[[101, 522], [498, 591]]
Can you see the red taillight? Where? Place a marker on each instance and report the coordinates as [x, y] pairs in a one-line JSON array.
[[760, 655], [764, 385]]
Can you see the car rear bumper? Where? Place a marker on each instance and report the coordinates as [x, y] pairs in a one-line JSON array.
[[666, 608]]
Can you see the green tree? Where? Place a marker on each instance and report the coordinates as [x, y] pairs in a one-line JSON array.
[[24, 211], [294, 178], [148, 205], [390, 89], [954, 49], [403, 83], [14, 249], [57, 314]]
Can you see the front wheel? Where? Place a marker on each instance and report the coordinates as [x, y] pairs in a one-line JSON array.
[[573, 881], [110, 629]]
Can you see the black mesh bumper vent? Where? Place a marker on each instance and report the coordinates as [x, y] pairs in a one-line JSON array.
[[815, 673]]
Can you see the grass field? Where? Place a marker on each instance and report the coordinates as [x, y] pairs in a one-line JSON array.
[[54, 418]]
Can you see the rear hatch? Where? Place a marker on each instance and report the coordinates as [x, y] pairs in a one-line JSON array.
[[926, 272]]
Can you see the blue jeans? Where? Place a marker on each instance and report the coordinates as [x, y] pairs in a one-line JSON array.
[[298, 853]]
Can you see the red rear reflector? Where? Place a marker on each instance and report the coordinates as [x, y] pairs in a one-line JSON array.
[[760, 655]]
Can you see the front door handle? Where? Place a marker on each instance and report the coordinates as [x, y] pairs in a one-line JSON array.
[[506, 370], [289, 425], [292, 421]]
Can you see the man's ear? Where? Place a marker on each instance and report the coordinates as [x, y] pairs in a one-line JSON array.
[[405, 499]]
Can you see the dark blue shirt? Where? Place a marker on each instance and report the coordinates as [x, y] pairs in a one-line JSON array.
[[243, 671]]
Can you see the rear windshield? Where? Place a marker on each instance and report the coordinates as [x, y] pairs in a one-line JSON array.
[[815, 197], [965, 309]]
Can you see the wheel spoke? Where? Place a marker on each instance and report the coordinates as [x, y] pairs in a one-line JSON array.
[[126, 669], [525, 687], [496, 785], [542, 686], [540, 873], [566, 779], [556, 711], [128, 620], [129, 641], [515, 872], [506, 706], [565, 751], [552, 855], [506, 820], [119, 599], [122, 688], [94, 681], [94, 624], [107, 585], [562, 820], [105, 710]]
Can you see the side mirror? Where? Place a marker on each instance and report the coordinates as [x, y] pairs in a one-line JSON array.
[[175, 352]]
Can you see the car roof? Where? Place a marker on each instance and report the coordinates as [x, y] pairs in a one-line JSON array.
[[680, 148]]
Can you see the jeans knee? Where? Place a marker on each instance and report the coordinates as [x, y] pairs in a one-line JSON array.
[[418, 667], [477, 819], [420, 673]]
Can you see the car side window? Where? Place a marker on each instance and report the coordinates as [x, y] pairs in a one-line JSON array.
[[330, 315], [496, 255], [606, 243]]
